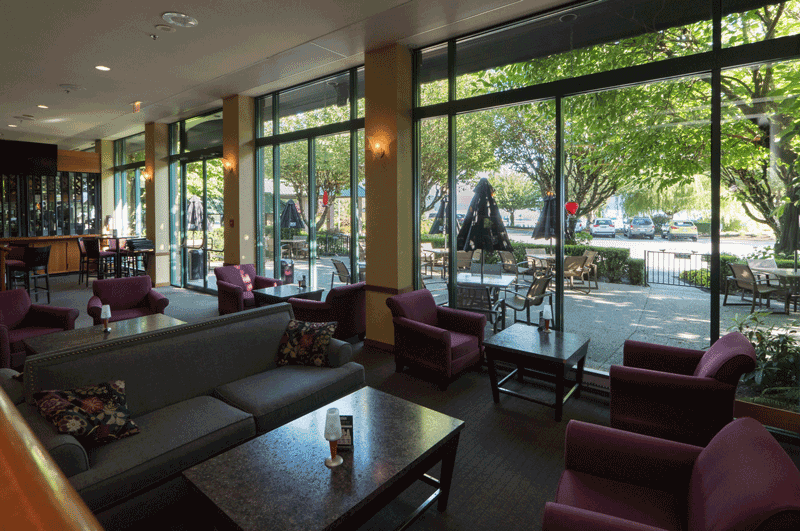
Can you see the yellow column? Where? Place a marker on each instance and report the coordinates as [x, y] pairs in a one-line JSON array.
[[105, 148], [238, 159], [157, 203], [388, 174]]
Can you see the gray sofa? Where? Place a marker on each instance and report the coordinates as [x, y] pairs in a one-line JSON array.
[[194, 390]]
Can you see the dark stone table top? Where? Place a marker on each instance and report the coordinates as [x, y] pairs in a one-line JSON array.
[[81, 337], [279, 480], [522, 339], [284, 292]]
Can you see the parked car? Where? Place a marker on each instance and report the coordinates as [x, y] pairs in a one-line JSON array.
[[602, 227], [640, 226], [580, 225], [625, 223], [680, 229]]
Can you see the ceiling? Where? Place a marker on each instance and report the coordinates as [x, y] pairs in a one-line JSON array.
[[248, 47]]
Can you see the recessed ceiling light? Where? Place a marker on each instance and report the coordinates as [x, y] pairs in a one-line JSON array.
[[11, 125], [179, 19], [43, 106], [103, 68], [569, 17]]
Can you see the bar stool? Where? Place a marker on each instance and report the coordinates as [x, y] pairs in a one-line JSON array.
[[101, 262], [34, 267], [14, 260]]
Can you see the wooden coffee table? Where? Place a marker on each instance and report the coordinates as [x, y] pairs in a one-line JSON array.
[[279, 480], [283, 293], [543, 355], [81, 337]]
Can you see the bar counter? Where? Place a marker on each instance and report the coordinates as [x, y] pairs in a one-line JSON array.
[[65, 257]]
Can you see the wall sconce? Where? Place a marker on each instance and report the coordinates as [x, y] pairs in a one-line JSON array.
[[228, 165], [379, 147], [147, 175]]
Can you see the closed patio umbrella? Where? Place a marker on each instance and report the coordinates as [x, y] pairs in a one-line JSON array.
[[547, 226], [290, 217], [194, 214], [442, 217], [483, 226]]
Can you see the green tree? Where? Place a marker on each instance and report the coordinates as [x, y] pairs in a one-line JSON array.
[[513, 191]]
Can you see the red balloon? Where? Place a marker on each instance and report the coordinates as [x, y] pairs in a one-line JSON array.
[[571, 207], [325, 198]]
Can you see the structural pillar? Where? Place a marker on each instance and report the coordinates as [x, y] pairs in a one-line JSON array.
[[238, 159], [156, 168], [105, 148], [388, 174]]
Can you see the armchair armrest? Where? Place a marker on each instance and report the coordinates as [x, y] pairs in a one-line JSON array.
[[266, 282], [425, 333], [628, 457], [314, 311], [54, 316], [156, 301], [462, 321], [230, 297], [93, 307], [660, 357], [558, 517]]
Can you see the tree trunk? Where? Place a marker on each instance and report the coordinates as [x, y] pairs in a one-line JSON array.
[[790, 231]]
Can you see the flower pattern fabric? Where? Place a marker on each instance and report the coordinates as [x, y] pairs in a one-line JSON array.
[[306, 343], [95, 414], [248, 282]]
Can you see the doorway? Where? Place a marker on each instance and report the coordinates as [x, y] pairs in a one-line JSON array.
[[202, 231]]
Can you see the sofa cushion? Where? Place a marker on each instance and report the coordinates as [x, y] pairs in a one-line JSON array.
[[636, 503], [306, 343], [281, 395], [94, 414], [172, 439], [462, 344]]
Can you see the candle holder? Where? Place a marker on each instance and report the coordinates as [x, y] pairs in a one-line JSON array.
[[105, 315], [547, 315], [333, 432]]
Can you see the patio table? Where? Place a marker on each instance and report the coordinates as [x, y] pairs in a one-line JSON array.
[[789, 280]]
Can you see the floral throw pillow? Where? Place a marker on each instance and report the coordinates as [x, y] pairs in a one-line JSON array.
[[248, 282], [306, 344], [95, 414]]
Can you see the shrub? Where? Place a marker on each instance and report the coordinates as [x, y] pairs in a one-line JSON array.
[[636, 272]]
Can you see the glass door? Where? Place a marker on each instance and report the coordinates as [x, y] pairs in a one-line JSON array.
[[202, 233]]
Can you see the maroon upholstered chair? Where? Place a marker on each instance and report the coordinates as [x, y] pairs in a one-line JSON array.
[[443, 340], [20, 319], [235, 284], [347, 305], [128, 297], [679, 394], [618, 480]]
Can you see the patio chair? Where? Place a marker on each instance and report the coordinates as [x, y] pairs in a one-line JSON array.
[[535, 295], [745, 280], [464, 259], [763, 263], [590, 269], [477, 299], [341, 271], [510, 264], [427, 257], [573, 268], [439, 290]]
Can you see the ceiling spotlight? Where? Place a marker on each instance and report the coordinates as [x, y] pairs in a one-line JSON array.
[[103, 68], [43, 106], [11, 125], [180, 20], [569, 17], [69, 87], [153, 36]]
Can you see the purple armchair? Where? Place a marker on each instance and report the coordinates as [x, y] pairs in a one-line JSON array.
[[347, 305], [128, 297], [20, 319], [679, 394], [618, 480], [443, 340], [235, 284]]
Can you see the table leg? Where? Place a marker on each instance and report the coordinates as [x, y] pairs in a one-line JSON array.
[[559, 405], [579, 377], [493, 378], [448, 464]]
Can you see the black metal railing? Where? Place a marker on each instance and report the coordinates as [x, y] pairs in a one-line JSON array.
[[677, 269]]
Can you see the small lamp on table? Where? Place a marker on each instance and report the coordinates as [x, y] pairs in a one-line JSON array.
[[105, 315]]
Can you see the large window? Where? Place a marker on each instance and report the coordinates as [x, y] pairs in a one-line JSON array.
[[312, 200], [129, 188], [616, 110]]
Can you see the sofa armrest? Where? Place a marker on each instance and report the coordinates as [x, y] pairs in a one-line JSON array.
[[230, 297], [462, 321], [313, 311], [265, 282], [93, 307], [558, 517], [5, 348], [156, 301], [660, 357], [421, 332], [339, 352], [54, 316], [66, 451], [628, 457]]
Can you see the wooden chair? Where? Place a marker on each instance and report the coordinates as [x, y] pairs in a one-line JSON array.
[[573, 268], [745, 280]]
